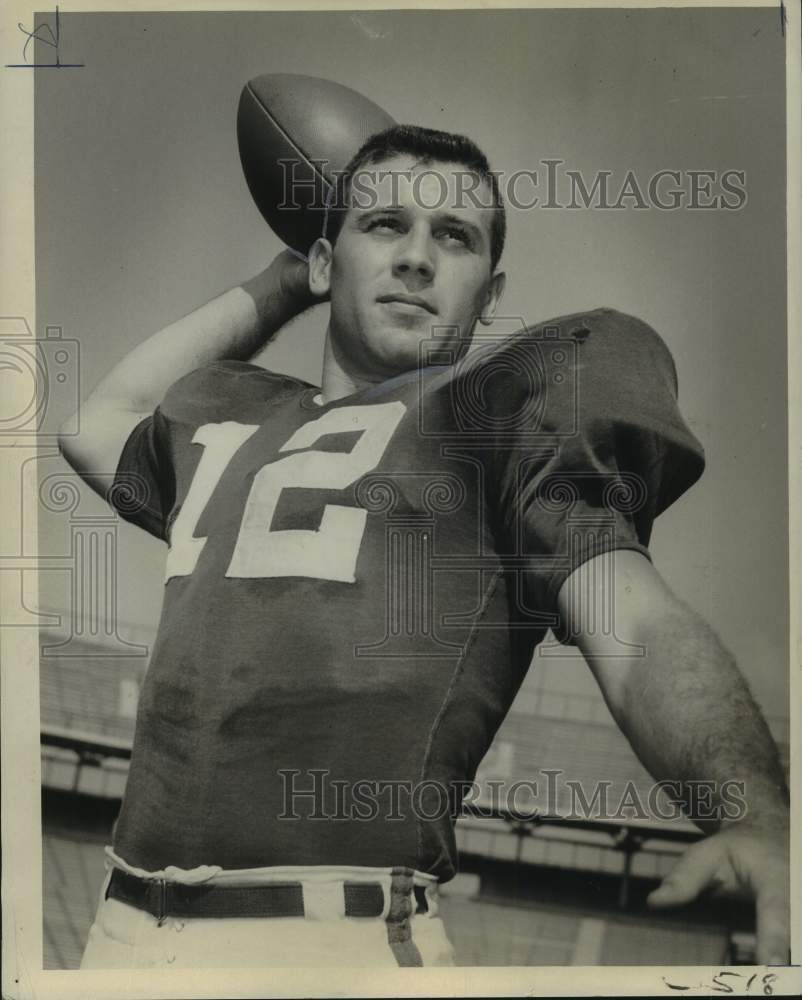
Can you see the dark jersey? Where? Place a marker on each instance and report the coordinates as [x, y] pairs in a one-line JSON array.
[[354, 591]]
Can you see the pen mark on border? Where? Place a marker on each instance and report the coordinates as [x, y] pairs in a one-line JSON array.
[[49, 35]]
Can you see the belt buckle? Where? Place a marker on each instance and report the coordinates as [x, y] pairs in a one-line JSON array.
[[162, 901]]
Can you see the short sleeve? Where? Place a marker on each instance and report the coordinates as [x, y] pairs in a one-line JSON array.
[[143, 490], [158, 461], [597, 451]]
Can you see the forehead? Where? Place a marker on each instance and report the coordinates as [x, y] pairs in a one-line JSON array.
[[417, 185]]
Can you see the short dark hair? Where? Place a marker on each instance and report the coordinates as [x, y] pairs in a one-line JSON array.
[[428, 145]]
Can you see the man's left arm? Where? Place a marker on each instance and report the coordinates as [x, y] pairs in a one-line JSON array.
[[689, 715]]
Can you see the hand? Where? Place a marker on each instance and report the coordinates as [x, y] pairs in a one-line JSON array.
[[282, 290], [743, 859], [291, 272]]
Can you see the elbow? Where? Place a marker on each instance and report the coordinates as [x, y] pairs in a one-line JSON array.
[[66, 435]]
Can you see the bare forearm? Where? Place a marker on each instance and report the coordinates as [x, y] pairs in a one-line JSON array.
[[690, 716], [234, 325]]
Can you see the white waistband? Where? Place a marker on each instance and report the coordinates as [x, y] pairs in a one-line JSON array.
[[310, 874]]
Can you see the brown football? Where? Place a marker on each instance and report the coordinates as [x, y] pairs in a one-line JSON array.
[[294, 134]]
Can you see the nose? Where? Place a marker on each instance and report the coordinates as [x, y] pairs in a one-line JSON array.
[[414, 262]]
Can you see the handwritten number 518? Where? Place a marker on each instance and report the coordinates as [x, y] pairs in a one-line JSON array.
[[721, 986]]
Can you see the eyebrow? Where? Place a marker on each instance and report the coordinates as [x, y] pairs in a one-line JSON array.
[[477, 232]]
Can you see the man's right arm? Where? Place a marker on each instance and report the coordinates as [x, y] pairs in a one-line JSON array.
[[235, 325]]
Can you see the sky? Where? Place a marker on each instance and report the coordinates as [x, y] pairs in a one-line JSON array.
[[142, 214]]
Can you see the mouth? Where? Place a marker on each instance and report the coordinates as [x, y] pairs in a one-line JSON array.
[[409, 303]]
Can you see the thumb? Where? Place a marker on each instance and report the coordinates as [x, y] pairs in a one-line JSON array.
[[698, 868]]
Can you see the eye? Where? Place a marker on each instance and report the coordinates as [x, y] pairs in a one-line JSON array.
[[456, 234], [388, 223]]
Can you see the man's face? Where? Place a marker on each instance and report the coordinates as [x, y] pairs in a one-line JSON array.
[[411, 262]]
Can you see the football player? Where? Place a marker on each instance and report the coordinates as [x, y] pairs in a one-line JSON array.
[[357, 575]]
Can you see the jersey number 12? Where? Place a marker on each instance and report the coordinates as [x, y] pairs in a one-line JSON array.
[[328, 553]]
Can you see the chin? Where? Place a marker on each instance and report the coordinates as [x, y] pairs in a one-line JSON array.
[[400, 351]]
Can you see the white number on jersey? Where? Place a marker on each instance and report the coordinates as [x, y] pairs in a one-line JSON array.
[[329, 552], [220, 444]]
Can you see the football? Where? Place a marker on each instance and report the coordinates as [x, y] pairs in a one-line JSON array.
[[294, 133]]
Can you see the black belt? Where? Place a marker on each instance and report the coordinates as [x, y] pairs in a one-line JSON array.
[[164, 899]]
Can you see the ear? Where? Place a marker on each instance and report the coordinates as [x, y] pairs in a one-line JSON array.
[[320, 255], [494, 293]]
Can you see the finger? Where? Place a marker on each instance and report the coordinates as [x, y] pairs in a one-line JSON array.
[[698, 868], [773, 913]]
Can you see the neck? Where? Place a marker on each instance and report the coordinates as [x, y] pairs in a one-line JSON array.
[[337, 381]]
